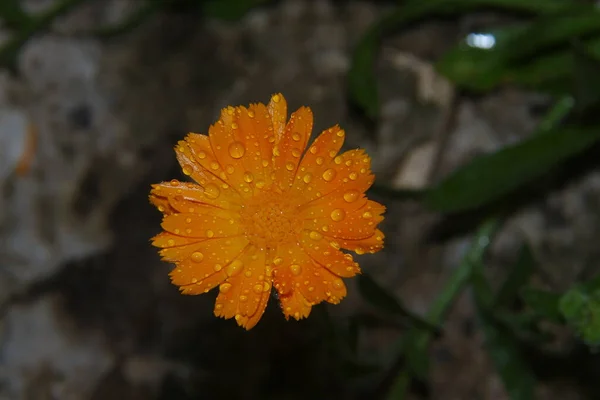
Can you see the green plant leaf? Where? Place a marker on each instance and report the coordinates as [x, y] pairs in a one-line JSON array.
[[415, 343], [517, 278], [586, 89], [361, 78], [581, 310], [491, 176], [543, 303]]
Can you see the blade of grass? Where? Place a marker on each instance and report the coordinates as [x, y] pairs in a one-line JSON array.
[[416, 342]]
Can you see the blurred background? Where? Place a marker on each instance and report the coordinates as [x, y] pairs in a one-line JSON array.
[[481, 117]]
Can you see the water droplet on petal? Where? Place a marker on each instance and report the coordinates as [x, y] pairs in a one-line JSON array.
[[212, 191], [353, 176], [217, 267], [296, 136], [266, 286], [187, 170], [359, 250], [234, 268], [171, 242], [278, 261], [289, 166], [351, 196], [258, 288], [367, 215], [248, 177], [329, 175], [319, 160], [197, 256], [338, 160], [174, 182], [338, 284], [251, 114], [314, 235], [296, 153], [234, 125], [237, 150], [313, 150], [214, 165], [307, 178], [224, 288], [296, 269], [230, 170], [275, 98], [243, 298], [338, 214], [210, 233], [201, 155]]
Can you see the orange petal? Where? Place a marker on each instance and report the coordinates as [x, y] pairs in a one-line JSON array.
[[165, 239], [316, 161], [245, 292], [295, 305], [182, 205], [289, 149], [198, 160], [162, 204], [343, 222], [201, 266], [201, 225], [360, 246], [210, 194], [295, 271], [326, 254], [277, 109]]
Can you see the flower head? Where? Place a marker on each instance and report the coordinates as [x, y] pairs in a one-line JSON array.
[[267, 213]]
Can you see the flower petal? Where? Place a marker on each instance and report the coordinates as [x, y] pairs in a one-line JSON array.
[[165, 240], [288, 150], [210, 195], [201, 266], [201, 225], [316, 161], [326, 254], [277, 108], [245, 293], [295, 305], [162, 204], [340, 221], [296, 271], [360, 246], [197, 160]]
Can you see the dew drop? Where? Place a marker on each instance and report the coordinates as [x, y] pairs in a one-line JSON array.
[[307, 178], [243, 299], [260, 184], [197, 256], [296, 136], [266, 286], [174, 182], [171, 242], [201, 155], [258, 288], [275, 98], [359, 250], [313, 150], [289, 166], [210, 233], [351, 196], [161, 208], [265, 163], [319, 160], [217, 267], [278, 261], [296, 269], [230, 170], [329, 175], [248, 177], [251, 114], [234, 268], [237, 150], [187, 170], [338, 214], [367, 215], [214, 165], [225, 287], [234, 125], [338, 160], [353, 176], [314, 235], [212, 191], [276, 152], [296, 153]]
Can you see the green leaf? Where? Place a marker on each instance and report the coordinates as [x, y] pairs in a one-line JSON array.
[[415, 343], [361, 79], [582, 312], [384, 301], [586, 89], [543, 303], [501, 344], [517, 278], [12, 14], [491, 176]]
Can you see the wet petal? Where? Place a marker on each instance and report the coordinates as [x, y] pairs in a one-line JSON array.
[[361, 246], [277, 109], [201, 226], [245, 292], [289, 149], [210, 194], [341, 221], [295, 305], [325, 252], [201, 266]]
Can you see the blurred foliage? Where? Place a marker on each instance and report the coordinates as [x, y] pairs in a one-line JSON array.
[[553, 48]]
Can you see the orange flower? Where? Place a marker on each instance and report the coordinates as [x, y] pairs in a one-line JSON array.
[[266, 213]]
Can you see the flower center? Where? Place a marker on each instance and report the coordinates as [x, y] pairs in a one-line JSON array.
[[269, 219]]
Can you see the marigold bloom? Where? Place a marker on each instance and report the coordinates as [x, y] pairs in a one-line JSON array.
[[266, 213]]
